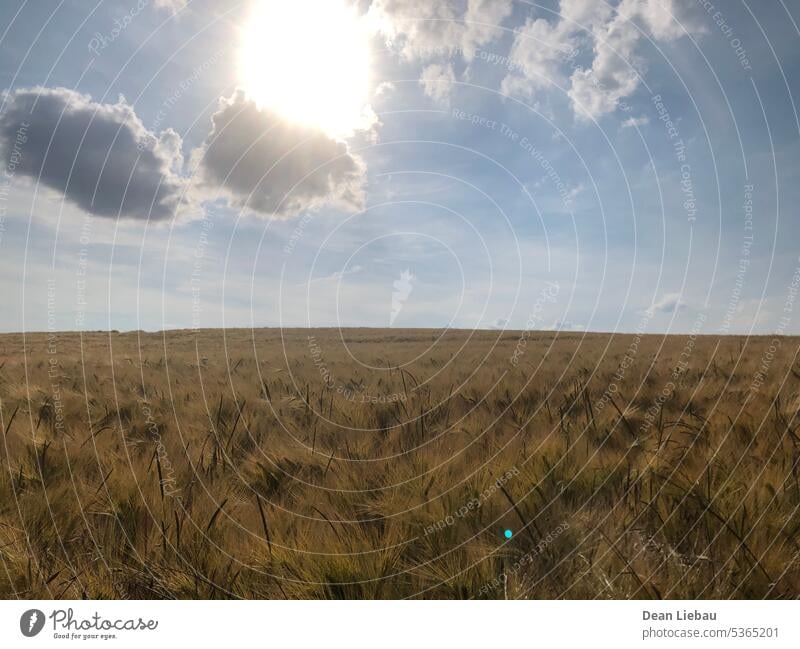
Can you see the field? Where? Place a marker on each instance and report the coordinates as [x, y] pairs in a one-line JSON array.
[[390, 463]]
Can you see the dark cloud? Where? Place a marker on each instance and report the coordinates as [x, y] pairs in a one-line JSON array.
[[265, 163], [98, 156]]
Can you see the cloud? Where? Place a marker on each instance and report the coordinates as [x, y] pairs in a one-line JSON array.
[[597, 90], [636, 121], [661, 18], [429, 31], [335, 276], [545, 51], [172, 6], [98, 156], [437, 81], [260, 161], [483, 19], [384, 89], [584, 14], [669, 303], [567, 325], [537, 57], [421, 29], [615, 70]]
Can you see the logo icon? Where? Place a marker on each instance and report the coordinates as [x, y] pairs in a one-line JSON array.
[[402, 289], [31, 622]]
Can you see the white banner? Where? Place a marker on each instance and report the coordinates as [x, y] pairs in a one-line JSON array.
[[399, 624]]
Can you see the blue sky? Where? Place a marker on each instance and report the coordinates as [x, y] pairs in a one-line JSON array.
[[641, 156]]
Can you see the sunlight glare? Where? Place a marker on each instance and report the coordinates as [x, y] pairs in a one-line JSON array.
[[309, 61]]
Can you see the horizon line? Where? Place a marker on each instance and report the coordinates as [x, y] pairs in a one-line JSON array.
[[397, 329]]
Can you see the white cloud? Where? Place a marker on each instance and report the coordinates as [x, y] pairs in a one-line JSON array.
[[430, 31], [596, 91], [437, 81], [99, 157], [483, 19], [669, 303], [260, 161], [631, 122], [335, 276], [585, 14], [537, 57], [567, 325], [615, 70], [543, 51], [421, 29], [661, 18], [172, 6], [384, 89]]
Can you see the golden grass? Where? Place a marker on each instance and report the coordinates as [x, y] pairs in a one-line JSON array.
[[266, 464]]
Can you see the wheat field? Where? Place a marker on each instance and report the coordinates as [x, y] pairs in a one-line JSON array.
[[368, 463]]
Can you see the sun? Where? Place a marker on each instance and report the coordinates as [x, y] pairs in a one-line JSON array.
[[308, 60]]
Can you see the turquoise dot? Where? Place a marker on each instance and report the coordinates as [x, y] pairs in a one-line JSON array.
[[508, 534]]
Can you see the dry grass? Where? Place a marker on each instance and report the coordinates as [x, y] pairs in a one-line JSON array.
[[219, 464]]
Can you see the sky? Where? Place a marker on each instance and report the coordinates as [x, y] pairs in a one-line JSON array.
[[628, 166]]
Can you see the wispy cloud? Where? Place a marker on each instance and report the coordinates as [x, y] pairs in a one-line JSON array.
[[669, 303]]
